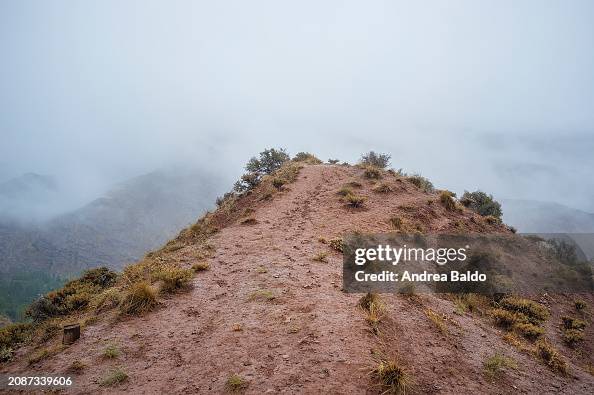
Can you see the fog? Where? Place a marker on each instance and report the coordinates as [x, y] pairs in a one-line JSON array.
[[491, 95]]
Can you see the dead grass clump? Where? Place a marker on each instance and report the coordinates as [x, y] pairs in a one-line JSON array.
[[421, 182], [235, 383], [174, 279], [139, 298], [76, 367], [573, 323], [321, 257], [372, 173], [368, 300], [248, 221], [336, 244], [107, 300], [382, 188], [550, 356], [355, 200], [495, 366], [200, 266], [491, 220], [114, 377], [392, 377], [112, 351], [507, 319], [445, 197], [471, 302], [344, 191], [353, 184], [396, 222], [439, 320], [261, 295], [580, 305], [374, 309]]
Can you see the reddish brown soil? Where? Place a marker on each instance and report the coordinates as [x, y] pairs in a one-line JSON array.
[[311, 338]]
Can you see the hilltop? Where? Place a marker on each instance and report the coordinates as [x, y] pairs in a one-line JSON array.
[[265, 312]]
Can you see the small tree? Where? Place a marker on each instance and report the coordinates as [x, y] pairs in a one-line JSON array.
[[269, 160], [482, 203], [378, 160]]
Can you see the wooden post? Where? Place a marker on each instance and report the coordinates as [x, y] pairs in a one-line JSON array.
[[71, 333]]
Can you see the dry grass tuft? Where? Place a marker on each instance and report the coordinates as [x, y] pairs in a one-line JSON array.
[[439, 320], [174, 279], [392, 377], [235, 383], [321, 257], [200, 266], [260, 295], [372, 173], [495, 366], [139, 298], [550, 356], [382, 188], [114, 377], [355, 200], [445, 197], [336, 244]]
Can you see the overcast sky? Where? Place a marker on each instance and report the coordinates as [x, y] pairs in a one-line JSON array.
[[472, 94]]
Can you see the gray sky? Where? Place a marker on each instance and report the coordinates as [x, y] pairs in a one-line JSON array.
[[497, 95]]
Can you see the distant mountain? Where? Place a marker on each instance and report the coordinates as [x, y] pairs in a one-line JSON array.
[[133, 218], [28, 196], [530, 216]]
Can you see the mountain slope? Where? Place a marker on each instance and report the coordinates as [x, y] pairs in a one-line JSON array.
[[268, 312]]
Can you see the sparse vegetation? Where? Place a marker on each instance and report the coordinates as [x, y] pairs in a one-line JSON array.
[[535, 312], [507, 319], [14, 334], [354, 184], [174, 279], [355, 201], [112, 351], [113, 377], [248, 221], [495, 366], [572, 337], [76, 366], [528, 330], [392, 377], [372, 173], [333, 161], [396, 222], [261, 295], [482, 204], [445, 197], [235, 383], [139, 298], [382, 188], [321, 257], [421, 182], [439, 320], [550, 356], [374, 309], [336, 244], [573, 323], [580, 305], [374, 159], [108, 299], [268, 161], [6, 354], [200, 266], [307, 158], [345, 191]]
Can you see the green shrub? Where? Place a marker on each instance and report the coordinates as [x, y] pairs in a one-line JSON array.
[[114, 377], [139, 298], [528, 330], [14, 334], [377, 160], [573, 323], [235, 383], [507, 319], [482, 203], [572, 336], [112, 351], [269, 160], [495, 365], [421, 182]]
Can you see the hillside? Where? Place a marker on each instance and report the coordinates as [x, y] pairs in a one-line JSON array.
[[118, 228], [269, 313]]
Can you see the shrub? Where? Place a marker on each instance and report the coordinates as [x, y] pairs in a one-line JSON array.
[[344, 191], [445, 197], [333, 161], [14, 334], [572, 336], [377, 160], [573, 323], [75, 295], [5, 354], [307, 158], [248, 221], [354, 184], [108, 299], [355, 200], [370, 301], [261, 295], [336, 244], [421, 182], [438, 320], [482, 203], [535, 312], [174, 279], [528, 330], [321, 257], [550, 356], [200, 266], [140, 298], [382, 188], [507, 319], [396, 222], [580, 305], [495, 365], [247, 182], [373, 173], [76, 366], [114, 377], [269, 160], [235, 383], [112, 351], [392, 377]]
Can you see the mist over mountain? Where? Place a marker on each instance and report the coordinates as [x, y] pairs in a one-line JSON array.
[[132, 218]]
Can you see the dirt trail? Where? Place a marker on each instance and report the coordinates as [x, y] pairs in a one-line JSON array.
[[310, 337]]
